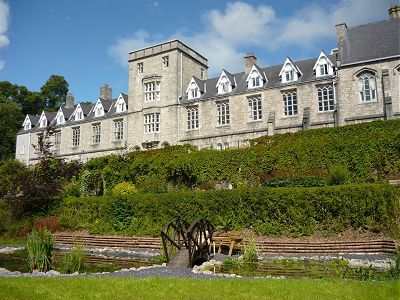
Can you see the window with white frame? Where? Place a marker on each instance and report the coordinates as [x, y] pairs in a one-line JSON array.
[[78, 114], [323, 69], [27, 125], [254, 80], [194, 91], [76, 136], [57, 141], [288, 75], [121, 106], [119, 130], [165, 61], [367, 86], [152, 91], [223, 113], [289, 103], [224, 85], [255, 108], [140, 68], [43, 122], [193, 117], [152, 122], [99, 111], [219, 146], [60, 118], [325, 98], [96, 133]]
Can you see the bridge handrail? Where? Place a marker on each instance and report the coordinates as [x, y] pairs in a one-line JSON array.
[[179, 226]]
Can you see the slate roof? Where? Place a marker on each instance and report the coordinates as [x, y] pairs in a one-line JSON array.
[[371, 41], [272, 73], [34, 119], [67, 112]]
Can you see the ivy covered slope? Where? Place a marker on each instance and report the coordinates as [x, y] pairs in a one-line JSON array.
[[278, 211], [368, 152]]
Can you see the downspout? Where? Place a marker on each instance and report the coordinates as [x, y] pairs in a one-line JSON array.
[[336, 112]]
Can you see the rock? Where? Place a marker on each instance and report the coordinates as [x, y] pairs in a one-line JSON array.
[[53, 272], [132, 269], [207, 272]]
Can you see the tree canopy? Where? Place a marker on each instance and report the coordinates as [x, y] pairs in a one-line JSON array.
[[54, 92]]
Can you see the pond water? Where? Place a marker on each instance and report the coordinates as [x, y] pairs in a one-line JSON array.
[[17, 261], [297, 269]]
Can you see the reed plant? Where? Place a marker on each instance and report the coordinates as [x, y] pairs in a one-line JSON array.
[[74, 261], [40, 246], [250, 253]]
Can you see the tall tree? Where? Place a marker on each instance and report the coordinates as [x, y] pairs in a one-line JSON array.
[[10, 123], [55, 91]]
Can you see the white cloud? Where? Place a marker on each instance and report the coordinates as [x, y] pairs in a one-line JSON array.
[[241, 26], [4, 21]]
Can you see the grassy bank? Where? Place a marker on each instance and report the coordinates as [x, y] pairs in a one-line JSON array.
[[158, 288], [276, 211]]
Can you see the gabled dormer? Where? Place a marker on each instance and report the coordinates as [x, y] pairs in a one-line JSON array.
[[120, 103], [60, 118], [27, 123], [77, 115], [43, 122], [289, 72], [98, 109], [256, 78], [195, 88], [226, 82], [323, 66]]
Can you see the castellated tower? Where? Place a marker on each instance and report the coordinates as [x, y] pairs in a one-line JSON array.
[[158, 77]]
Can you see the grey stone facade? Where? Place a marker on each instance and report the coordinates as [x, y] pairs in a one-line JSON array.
[[160, 110]]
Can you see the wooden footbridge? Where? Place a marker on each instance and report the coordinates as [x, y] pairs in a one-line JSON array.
[[187, 245]]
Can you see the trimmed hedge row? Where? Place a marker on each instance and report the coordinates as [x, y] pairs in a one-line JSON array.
[[368, 152], [289, 211]]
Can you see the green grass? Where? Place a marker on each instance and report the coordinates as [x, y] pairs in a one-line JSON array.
[[12, 241], [157, 288]]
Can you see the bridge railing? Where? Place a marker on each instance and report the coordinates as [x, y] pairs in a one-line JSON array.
[[174, 237], [199, 239]]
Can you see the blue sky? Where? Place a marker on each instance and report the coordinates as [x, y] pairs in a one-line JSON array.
[[88, 41]]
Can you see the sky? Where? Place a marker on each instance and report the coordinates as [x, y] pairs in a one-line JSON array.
[[88, 41]]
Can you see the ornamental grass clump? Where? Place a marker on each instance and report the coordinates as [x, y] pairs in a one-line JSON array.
[[250, 251], [40, 247], [74, 261]]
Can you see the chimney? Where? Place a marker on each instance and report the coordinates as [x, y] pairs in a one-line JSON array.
[[341, 30], [69, 101], [394, 12], [106, 92], [249, 61]]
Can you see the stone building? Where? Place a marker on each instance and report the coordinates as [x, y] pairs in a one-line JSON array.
[[172, 101]]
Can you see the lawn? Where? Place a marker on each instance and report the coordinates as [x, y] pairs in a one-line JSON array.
[[160, 288]]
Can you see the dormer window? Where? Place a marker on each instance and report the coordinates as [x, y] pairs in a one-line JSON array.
[[78, 113], [121, 107], [60, 118], [98, 109], [193, 91], [323, 66], [224, 85], [27, 125], [43, 121], [256, 78], [289, 72]]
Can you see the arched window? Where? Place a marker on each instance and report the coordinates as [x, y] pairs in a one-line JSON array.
[[367, 86], [289, 104], [226, 145], [219, 146]]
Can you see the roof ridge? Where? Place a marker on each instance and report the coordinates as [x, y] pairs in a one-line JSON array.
[[373, 23]]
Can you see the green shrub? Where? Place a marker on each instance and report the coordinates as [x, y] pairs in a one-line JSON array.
[[72, 189], [151, 184], [124, 189], [289, 211], [339, 175], [73, 261], [5, 216], [91, 183], [40, 247]]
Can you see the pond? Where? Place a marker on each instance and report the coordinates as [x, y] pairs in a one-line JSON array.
[[17, 261], [297, 269]]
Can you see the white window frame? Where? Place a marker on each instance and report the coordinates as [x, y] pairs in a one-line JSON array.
[[152, 91], [194, 91], [119, 130], [290, 104], [27, 125], [57, 141], [367, 87], [193, 118], [326, 101], [165, 62], [96, 133], [255, 108], [140, 68], [223, 115], [76, 136], [151, 122], [60, 119]]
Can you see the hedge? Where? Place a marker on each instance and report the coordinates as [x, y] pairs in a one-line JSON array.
[[278, 211], [369, 152]]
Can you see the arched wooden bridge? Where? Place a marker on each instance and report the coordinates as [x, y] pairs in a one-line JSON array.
[[187, 245]]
